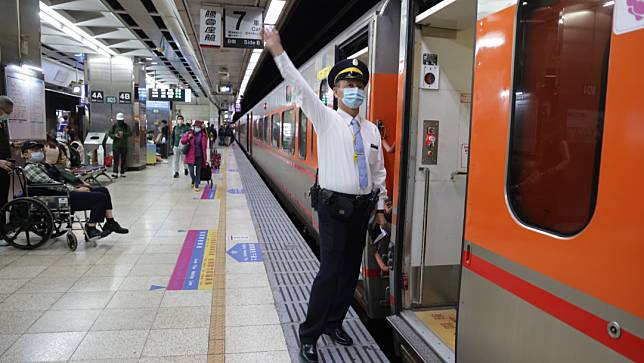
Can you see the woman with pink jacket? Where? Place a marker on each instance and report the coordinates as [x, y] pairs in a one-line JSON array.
[[197, 152]]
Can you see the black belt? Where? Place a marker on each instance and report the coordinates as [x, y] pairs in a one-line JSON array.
[[349, 196]]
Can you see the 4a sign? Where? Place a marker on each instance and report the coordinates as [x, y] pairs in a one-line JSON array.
[[242, 27], [97, 97], [210, 27], [125, 97]]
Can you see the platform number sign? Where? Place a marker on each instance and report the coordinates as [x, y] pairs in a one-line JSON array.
[[97, 97], [125, 97], [242, 27]]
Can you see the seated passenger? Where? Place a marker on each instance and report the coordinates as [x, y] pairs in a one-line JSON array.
[[82, 196], [55, 153]]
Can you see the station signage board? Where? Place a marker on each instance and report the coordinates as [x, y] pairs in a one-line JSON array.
[[210, 26], [97, 97], [125, 97], [110, 99], [169, 94], [242, 27]]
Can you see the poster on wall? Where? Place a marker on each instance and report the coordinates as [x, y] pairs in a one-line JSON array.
[[210, 27], [430, 71], [242, 28], [28, 118]]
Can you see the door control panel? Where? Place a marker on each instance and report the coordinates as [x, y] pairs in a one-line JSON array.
[[429, 143]]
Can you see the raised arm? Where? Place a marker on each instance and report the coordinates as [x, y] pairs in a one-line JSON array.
[[311, 104]]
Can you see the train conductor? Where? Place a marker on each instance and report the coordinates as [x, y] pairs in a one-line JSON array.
[[352, 184]]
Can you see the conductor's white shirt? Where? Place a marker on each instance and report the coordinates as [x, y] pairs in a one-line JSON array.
[[338, 169]]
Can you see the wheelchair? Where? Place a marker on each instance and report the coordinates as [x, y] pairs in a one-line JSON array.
[[38, 213]]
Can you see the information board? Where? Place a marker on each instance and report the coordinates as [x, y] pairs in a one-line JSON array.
[[210, 27], [169, 94], [242, 27], [28, 118]]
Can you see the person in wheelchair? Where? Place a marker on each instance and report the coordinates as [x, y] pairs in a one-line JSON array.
[[82, 196]]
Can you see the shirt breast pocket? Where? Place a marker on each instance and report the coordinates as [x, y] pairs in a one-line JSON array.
[[372, 153]]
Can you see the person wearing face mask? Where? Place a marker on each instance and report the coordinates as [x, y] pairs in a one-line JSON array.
[[120, 133], [197, 152], [177, 132], [6, 108], [351, 184], [82, 196]]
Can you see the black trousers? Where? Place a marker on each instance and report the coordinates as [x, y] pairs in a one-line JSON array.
[[5, 182], [341, 245], [95, 202], [195, 170], [120, 158]]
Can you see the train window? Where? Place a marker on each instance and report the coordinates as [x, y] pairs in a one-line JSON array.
[[275, 122], [560, 75], [288, 131], [266, 133], [301, 135]]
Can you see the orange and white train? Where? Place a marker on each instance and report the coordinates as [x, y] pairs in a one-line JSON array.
[[516, 174]]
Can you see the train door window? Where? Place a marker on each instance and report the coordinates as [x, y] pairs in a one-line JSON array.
[[266, 133], [301, 135], [560, 76], [275, 122], [288, 131]]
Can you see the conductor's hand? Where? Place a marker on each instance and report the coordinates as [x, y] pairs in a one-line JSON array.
[[5, 165], [82, 189], [273, 42]]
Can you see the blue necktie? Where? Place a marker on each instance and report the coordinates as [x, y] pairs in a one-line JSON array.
[[359, 154]]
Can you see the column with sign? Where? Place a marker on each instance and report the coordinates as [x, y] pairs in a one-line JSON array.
[[242, 28]]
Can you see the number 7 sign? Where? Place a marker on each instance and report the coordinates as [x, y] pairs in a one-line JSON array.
[[242, 27]]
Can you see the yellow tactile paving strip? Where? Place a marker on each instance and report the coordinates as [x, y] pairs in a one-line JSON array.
[[218, 308], [442, 323]]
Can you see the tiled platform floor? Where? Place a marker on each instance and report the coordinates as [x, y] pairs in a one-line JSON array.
[[95, 304]]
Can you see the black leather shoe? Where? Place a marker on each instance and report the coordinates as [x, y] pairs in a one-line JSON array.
[[339, 336], [309, 353]]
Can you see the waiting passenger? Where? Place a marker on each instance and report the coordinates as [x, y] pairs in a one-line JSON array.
[[82, 196], [197, 152], [177, 132], [119, 132]]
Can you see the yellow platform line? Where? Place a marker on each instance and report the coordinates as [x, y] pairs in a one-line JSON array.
[[218, 308]]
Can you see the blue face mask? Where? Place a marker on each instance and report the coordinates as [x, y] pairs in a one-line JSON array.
[[37, 156], [353, 97]]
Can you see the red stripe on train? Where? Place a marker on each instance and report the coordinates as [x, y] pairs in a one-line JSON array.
[[587, 323]]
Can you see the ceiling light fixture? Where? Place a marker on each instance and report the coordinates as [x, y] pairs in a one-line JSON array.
[[274, 11], [48, 14]]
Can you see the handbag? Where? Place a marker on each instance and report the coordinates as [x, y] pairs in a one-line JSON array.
[[185, 148], [206, 173]]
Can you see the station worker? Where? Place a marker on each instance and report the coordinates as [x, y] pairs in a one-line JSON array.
[[352, 181]]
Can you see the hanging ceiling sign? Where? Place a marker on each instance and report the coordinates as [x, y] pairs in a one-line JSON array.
[[210, 27], [242, 27], [169, 94]]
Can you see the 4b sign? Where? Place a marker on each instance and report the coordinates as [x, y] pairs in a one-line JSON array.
[[242, 27], [125, 97]]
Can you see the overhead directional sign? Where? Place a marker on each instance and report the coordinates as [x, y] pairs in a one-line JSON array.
[[242, 27], [210, 27], [169, 94], [97, 97]]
